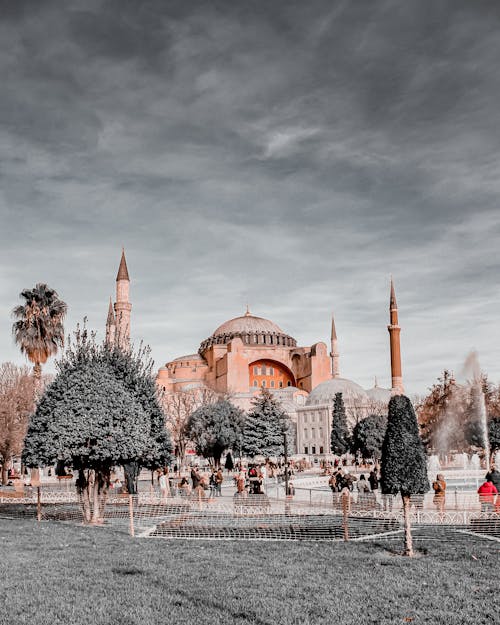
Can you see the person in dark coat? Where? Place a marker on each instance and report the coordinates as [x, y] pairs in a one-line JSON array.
[[493, 476], [373, 480]]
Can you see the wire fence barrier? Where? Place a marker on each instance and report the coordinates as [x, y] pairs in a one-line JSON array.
[[260, 517]]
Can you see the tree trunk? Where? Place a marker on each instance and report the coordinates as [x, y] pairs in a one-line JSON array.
[[37, 375], [5, 474], [407, 525]]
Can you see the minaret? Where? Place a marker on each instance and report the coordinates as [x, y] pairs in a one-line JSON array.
[[122, 304], [394, 331], [334, 354], [110, 325]]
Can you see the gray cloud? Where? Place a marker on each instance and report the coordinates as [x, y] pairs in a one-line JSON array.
[[288, 154]]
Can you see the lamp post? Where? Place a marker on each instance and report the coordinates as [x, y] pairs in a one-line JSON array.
[[285, 444]]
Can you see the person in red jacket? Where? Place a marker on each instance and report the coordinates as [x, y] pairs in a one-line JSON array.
[[487, 493]]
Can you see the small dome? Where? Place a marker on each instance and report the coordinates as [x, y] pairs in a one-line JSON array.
[[188, 358], [379, 395], [325, 392]]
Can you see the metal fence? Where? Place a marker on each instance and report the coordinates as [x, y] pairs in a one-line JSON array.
[[316, 516]]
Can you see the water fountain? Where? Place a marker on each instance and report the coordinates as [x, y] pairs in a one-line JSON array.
[[472, 366]]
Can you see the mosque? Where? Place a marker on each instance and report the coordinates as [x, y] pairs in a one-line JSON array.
[[248, 352]]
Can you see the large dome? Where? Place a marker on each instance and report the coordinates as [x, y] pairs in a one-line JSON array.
[[251, 330], [247, 324], [325, 392]]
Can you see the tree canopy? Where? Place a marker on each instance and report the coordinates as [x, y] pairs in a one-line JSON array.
[[264, 427], [339, 438], [404, 465], [16, 405], [368, 436], [213, 428], [39, 330], [100, 411]]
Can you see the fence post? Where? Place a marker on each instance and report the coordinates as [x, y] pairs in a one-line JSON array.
[[38, 504], [131, 514]]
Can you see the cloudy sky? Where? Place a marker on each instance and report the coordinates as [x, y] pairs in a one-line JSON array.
[[292, 155]]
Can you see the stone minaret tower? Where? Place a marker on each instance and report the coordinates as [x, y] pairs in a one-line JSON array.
[[122, 304], [110, 325], [394, 332], [334, 354]]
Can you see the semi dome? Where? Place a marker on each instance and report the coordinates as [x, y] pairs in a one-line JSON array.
[[251, 330], [325, 392], [379, 395]]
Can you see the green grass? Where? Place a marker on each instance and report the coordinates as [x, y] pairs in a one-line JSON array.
[[65, 574]]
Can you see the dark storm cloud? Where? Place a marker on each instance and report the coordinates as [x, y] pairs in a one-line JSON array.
[[288, 154]]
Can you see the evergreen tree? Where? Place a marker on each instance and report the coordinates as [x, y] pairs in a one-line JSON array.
[[368, 436], [213, 428], [339, 439], [264, 427], [404, 466]]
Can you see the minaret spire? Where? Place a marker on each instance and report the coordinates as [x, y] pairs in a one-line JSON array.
[[395, 344], [122, 304], [334, 353], [110, 325]]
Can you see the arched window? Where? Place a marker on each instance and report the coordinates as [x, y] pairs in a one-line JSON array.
[[272, 383], [305, 432], [263, 384], [255, 383], [263, 370]]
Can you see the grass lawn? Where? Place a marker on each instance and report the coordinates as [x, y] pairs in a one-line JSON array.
[[64, 574]]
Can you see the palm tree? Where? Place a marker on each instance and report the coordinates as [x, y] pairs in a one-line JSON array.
[[39, 330]]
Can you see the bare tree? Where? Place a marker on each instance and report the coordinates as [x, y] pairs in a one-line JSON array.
[[16, 404], [178, 407]]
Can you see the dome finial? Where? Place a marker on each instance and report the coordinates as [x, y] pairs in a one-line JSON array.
[[248, 313], [375, 385]]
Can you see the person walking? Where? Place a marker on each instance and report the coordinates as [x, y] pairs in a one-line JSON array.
[[219, 478], [364, 492], [164, 484], [439, 488], [493, 476], [487, 493]]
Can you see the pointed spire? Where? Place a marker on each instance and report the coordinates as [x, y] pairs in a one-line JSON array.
[[111, 314], [122, 270], [333, 334], [334, 352], [392, 303]]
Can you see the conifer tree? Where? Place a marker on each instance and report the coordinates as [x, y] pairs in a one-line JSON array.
[[339, 438], [264, 427], [404, 466]]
